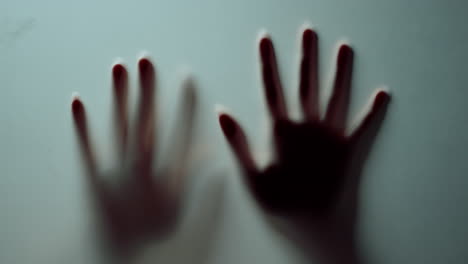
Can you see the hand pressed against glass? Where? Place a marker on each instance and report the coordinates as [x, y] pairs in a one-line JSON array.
[[141, 206], [310, 166]]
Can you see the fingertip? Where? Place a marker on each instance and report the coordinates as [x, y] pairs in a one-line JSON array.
[[309, 36], [78, 111], [228, 125], [345, 53], [346, 48], [147, 78], [382, 97], [345, 56], [118, 70], [266, 46], [77, 106], [145, 64], [383, 93]]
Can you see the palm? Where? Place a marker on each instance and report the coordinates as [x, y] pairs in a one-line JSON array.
[[136, 209], [311, 158], [134, 201], [308, 170]]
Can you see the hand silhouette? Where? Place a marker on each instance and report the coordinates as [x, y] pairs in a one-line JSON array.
[[306, 181], [139, 206]]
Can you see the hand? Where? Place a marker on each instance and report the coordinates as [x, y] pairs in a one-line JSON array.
[[139, 206], [306, 182]]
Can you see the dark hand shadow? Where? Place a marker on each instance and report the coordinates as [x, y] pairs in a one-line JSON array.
[[136, 204], [309, 191]]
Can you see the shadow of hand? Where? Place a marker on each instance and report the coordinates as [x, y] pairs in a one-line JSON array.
[[308, 178], [137, 206]]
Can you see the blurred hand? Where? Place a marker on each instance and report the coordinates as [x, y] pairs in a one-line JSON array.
[[308, 181], [138, 206]]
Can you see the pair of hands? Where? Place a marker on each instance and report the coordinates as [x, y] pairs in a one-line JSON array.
[[309, 183]]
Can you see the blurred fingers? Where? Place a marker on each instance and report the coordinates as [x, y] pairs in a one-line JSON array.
[[308, 84], [183, 134], [271, 81], [379, 103], [336, 113], [120, 86], [237, 139], [81, 127], [145, 128]]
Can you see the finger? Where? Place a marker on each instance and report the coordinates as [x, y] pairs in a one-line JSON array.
[[238, 142], [145, 123], [308, 84], [120, 85], [81, 128], [271, 81], [379, 102], [361, 141], [336, 113], [183, 133]]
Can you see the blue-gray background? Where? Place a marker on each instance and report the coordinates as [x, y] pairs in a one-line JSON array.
[[414, 190]]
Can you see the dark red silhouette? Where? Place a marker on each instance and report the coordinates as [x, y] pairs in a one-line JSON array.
[[310, 183], [139, 206]]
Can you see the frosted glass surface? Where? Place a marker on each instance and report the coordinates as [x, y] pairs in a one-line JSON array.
[[414, 191]]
